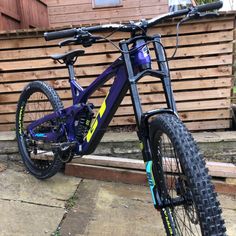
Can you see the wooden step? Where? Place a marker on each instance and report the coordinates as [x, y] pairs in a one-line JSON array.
[[133, 172], [216, 169]]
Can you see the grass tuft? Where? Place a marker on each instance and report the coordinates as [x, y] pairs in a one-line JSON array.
[[71, 202]]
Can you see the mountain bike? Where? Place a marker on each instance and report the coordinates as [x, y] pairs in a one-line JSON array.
[[49, 135]]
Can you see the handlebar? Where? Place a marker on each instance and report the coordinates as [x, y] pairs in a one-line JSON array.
[[200, 8], [131, 27], [60, 34], [209, 6]]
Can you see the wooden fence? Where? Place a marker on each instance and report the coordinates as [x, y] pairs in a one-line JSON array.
[[22, 14], [201, 72]]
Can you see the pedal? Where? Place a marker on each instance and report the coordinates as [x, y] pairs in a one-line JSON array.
[[64, 146]]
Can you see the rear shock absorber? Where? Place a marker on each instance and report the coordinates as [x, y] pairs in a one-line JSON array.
[[83, 122]]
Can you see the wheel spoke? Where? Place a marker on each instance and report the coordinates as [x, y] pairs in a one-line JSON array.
[[182, 179], [37, 106], [176, 185]]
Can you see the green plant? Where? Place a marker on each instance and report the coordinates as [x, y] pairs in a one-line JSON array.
[[56, 233], [234, 89], [71, 202]]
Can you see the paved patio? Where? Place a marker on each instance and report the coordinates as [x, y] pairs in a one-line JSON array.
[[31, 207]]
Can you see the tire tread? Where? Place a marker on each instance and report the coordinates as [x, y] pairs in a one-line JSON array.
[[53, 97], [193, 163]]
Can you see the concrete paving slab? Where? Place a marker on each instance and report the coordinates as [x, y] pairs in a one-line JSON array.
[[24, 219], [228, 204], [24, 187], [124, 210], [106, 208], [3, 167], [31, 207], [230, 221]]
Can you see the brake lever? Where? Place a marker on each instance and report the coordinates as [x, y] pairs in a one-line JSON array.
[[209, 14], [67, 42], [193, 14], [85, 39], [78, 39]]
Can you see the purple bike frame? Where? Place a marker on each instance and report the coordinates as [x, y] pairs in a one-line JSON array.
[[80, 97], [127, 72]]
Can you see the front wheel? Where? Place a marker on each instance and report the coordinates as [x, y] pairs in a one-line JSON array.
[[182, 181]]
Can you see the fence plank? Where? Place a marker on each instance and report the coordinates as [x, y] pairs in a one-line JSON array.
[[185, 116], [193, 125], [146, 98], [142, 87], [128, 109], [181, 52], [168, 41], [101, 59], [82, 74]]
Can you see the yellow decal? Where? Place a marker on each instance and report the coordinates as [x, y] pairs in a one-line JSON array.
[[95, 122], [103, 108], [92, 129], [141, 146], [20, 119], [168, 222]]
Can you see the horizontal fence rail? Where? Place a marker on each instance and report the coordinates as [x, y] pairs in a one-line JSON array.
[[201, 72]]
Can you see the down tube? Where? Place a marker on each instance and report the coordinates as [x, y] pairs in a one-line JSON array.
[[107, 110]]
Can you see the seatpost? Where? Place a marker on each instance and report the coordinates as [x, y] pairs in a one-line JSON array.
[[72, 80], [71, 71]]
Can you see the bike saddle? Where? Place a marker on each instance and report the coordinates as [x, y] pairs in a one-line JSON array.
[[69, 56]]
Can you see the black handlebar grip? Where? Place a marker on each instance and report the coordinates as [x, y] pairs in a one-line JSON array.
[[60, 34], [209, 6], [95, 28]]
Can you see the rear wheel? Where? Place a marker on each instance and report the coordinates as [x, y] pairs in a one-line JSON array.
[[182, 181], [37, 100]]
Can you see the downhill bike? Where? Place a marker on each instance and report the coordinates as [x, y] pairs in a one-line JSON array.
[[49, 135]]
